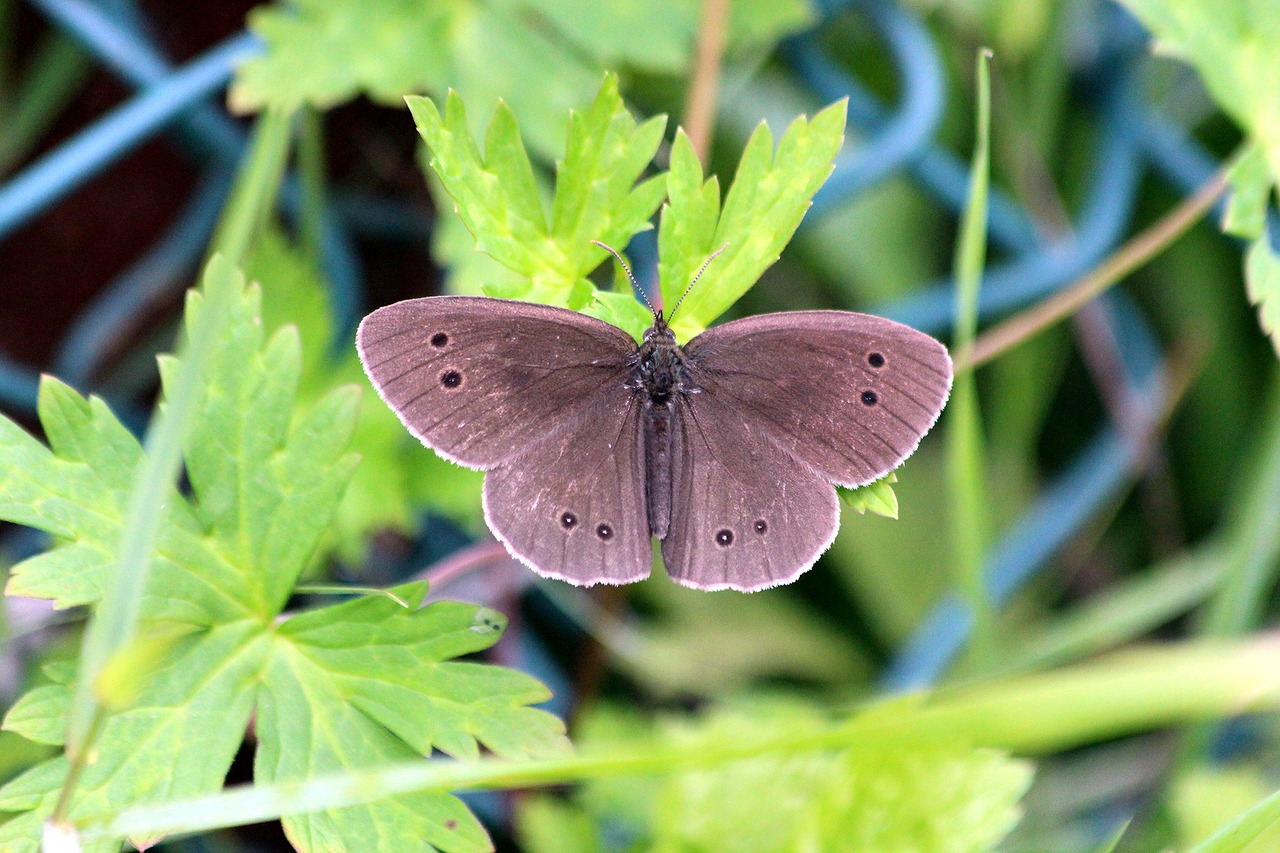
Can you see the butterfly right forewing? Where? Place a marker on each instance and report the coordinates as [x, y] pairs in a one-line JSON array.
[[850, 395]]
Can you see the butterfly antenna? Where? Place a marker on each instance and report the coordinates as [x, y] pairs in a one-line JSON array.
[[703, 269], [639, 290]]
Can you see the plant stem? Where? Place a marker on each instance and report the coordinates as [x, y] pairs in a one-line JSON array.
[[252, 199], [966, 466], [113, 625], [1125, 260], [1124, 694], [700, 104]]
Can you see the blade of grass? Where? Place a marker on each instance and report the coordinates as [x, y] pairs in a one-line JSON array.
[[54, 74], [113, 625], [1254, 539], [1122, 614], [1237, 835], [253, 196], [965, 447], [311, 170], [1252, 545], [1128, 693]]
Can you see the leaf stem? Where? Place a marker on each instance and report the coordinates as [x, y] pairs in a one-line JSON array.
[[704, 86], [253, 196], [1129, 257]]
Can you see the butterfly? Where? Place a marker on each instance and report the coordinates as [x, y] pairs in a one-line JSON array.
[[725, 449]]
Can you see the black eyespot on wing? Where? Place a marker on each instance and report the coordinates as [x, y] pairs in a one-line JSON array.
[[568, 521], [451, 379], [724, 537], [875, 359], [439, 339], [604, 532], [869, 398], [761, 526]]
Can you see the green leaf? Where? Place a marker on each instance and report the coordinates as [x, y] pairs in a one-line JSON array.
[[1251, 188], [1231, 45], [659, 37], [369, 682], [348, 686], [596, 196], [1262, 283], [928, 796], [770, 193], [381, 493], [1205, 799], [877, 498], [1255, 831], [40, 715], [546, 824], [325, 53]]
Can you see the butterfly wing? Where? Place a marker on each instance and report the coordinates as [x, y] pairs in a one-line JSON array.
[[847, 394], [482, 380], [573, 506], [746, 515]]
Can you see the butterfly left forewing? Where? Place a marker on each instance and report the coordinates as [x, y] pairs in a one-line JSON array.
[[746, 515], [482, 380], [849, 394]]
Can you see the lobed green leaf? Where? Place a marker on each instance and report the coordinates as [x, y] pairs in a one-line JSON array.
[[769, 196], [1262, 283], [348, 686], [596, 195], [1232, 46]]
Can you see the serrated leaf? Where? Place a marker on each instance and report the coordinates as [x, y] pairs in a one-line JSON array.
[[1231, 45], [369, 681], [266, 479], [878, 498], [621, 310], [769, 196], [324, 53], [1262, 283], [378, 495], [40, 714], [596, 197], [940, 799], [1251, 189]]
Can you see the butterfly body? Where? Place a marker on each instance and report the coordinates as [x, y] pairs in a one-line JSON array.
[[659, 380], [724, 449]]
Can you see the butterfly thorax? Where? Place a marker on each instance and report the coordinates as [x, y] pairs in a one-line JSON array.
[[658, 369]]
